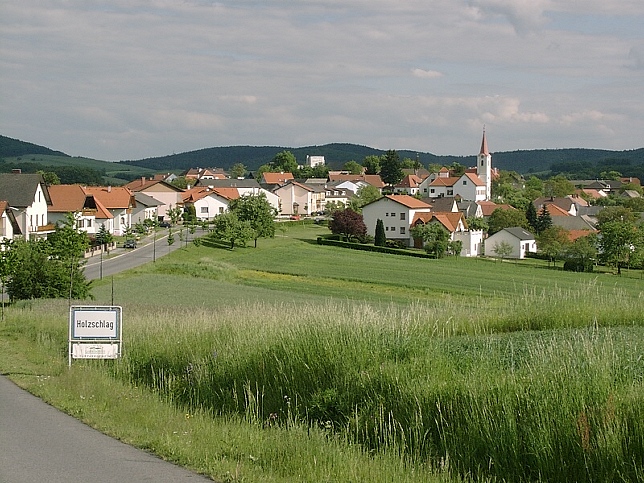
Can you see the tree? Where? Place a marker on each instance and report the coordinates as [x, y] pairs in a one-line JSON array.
[[180, 182], [581, 254], [477, 223], [506, 218], [544, 220], [502, 249], [618, 241], [371, 164], [558, 186], [435, 238], [455, 248], [50, 177], [553, 242], [258, 212], [615, 213], [285, 162], [174, 214], [391, 169], [103, 236], [532, 217], [348, 223], [7, 265], [51, 268], [353, 167], [365, 195], [381, 237], [457, 169], [229, 228], [238, 170]]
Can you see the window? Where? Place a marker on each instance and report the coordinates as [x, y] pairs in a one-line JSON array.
[[221, 209], [204, 209], [402, 230], [386, 228], [432, 190], [464, 182], [425, 190], [386, 214], [450, 192], [402, 216], [393, 214], [89, 223]]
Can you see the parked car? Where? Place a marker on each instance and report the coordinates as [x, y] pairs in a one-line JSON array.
[[129, 243], [164, 224]]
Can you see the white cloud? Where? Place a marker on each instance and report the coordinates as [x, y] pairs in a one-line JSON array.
[[426, 74]]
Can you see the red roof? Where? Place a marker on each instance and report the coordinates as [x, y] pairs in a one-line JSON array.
[[408, 201]]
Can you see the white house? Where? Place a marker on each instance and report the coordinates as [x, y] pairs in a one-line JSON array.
[[468, 186], [168, 195], [313, 161], [119, 201], [208, 201], [521, 241], [244, 187], [456, 226], [396, 212], [28, 197], [147, 208], [299, 199], [8, 224]]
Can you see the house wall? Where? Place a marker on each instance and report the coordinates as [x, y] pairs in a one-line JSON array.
[[395, 217], [290, 194], [33, 216], [472, 242], [519, 247], [6, 228], [142, 213], [167, 196], [208, 207]]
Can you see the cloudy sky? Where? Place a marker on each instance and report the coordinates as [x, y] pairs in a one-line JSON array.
[[127, 79]]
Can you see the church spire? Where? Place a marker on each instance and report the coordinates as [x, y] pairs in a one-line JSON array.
[[484, 149]]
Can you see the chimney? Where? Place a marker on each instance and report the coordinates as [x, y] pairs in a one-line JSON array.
[[142, 180], [109, 189], [16, 171]]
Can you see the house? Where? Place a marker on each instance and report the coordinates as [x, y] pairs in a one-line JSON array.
[[468, 186], [272, 181], [488, 207], [9, 228], [147, 208], [521, 241], [205, 173], [89, 213], [409, 185], [300, 199], [244, 187], [28, 197], [120, 202], [209, 201], [313, 161], [372, 179], [455, 224], [168, 195], [397, 213]]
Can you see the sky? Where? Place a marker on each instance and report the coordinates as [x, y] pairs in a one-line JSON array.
[[131, 79]]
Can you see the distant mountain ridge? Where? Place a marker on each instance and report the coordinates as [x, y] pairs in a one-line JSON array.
[[576, 162]]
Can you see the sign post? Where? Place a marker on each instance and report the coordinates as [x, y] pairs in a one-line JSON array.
[[95, 332]]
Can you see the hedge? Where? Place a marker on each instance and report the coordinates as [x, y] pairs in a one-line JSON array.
[[371, 248]]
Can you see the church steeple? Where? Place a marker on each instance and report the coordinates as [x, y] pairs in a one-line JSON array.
[[484, 149], [484, 166]]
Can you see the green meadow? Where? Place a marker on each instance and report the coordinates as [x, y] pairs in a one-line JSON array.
[[294, 361]]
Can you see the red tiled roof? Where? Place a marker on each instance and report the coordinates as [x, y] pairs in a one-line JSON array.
[[408, 201], [276, 178], [112, 197], [409, 181]]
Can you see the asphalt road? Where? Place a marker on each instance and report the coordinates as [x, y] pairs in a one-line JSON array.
[[39, 443]]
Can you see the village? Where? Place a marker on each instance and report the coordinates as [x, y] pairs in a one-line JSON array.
[[460, 202]]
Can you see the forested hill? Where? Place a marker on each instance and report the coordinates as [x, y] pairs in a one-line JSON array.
[[573, 162], [10, 147]]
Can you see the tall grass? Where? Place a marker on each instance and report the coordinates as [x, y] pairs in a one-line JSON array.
[[550, 405]]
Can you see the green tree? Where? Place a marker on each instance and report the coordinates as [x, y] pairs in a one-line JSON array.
[[506, 218], [50, 177], [381, 237], [615, 213], [174, 214], [435, 238], [103, 236], [170, 237], [284, 161], [228, 227], [365, 195], [581, 254], [258, 212], [51, 268], [477, 223], [618, 241], [532, 217], [558, 186], [7, 266], [353, 167], [502, 249], [348, 223], [455, 248], [457, 169], [371, 164], [533, 188], [391, 168], [180, 182], [544, 220], [553, 243], [238, 170]]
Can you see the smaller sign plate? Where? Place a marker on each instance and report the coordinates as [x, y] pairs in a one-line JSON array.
[[95, 351]]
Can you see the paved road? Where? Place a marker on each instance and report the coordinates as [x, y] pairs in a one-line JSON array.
[[39, 443]]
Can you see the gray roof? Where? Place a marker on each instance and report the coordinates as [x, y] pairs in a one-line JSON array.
[[229, 183], [146, 200], [19, 190], [572, 222], [520, 233]]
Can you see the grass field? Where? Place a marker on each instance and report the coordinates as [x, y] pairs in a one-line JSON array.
[[299, 362]]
